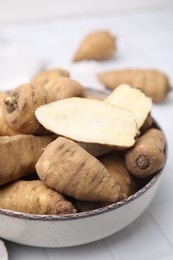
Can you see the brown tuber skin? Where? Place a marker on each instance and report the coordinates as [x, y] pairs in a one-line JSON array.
[[82, 206], [147, 156], [70, 170], [49, 75], [63, 88], [96, 150], [115, 164], [98, 45], [34, 197], [153, 83], [147, 124], [19, 107], [4, 129], [19, 155]]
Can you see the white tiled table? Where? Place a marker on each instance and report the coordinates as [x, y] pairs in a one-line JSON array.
[[145, 39]]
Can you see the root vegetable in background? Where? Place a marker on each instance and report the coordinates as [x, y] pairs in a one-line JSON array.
[[98, 45], [34, 197], [115, 164], [19, 107], [70, 170], [90, 121], [154, 84], [19, 155], [147, 156], [133, 99]]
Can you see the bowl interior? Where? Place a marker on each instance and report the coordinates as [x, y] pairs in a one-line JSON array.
[[147, 184]]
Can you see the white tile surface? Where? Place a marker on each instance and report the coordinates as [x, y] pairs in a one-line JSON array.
[[140, 241], [18, 10], [145, 39]]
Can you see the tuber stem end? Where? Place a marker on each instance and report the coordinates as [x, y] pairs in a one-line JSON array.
[[11, 102], [143, 162]]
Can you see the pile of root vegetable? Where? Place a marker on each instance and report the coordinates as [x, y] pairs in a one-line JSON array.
[[62, 152]]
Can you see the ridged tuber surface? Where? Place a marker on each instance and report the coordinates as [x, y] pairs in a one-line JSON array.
[[115, 164], [98, 45], [19, 155], [19, 107], [34, 197], [69, 169], [133, 99], [154, 84], [147, 156], [90, 121]]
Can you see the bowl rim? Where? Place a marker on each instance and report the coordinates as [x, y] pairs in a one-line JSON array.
[[90, 213], [95, 212]]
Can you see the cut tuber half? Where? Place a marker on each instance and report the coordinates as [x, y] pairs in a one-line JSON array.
[[133, 99], [90, 121]]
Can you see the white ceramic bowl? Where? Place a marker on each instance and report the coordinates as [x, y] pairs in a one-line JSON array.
[[78, 228]]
